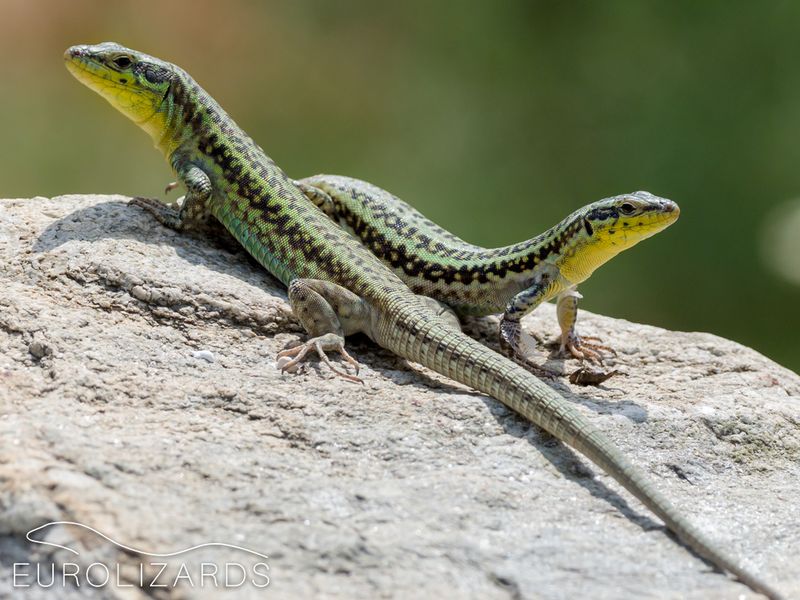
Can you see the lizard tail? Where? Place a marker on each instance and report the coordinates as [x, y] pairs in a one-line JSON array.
[[463, 359]]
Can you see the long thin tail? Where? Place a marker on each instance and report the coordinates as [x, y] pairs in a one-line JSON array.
[[463, 359]]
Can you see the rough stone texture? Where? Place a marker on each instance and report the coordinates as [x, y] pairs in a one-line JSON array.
[[139, 396]]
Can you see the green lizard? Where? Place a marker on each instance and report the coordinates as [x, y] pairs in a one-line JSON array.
[[471, 280], [335, 285]]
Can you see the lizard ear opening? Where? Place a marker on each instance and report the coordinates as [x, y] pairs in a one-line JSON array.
[[588, 226]]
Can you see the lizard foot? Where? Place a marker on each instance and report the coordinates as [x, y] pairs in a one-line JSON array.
[[585, 347], [322, 344], [511, 344], [171, 186], [510, 333], [164, 214]]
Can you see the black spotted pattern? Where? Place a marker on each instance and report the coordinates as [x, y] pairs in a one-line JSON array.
[[261, 206], [388, 238]]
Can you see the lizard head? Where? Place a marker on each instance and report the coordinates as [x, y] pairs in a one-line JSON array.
[[605, 228], [623, 221], [134, 83]]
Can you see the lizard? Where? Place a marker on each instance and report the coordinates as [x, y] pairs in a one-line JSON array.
[[336, 287], [471, 280]]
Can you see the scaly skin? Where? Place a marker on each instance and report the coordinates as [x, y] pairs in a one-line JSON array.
[[512, 280], [336, 286]]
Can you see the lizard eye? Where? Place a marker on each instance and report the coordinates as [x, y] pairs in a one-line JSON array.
[[122, 62], [626, 208]]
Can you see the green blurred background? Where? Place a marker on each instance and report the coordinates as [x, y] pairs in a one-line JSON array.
[[496, 119]]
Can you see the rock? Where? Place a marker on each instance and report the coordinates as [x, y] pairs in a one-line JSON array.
[[407, 486], [204, 355]]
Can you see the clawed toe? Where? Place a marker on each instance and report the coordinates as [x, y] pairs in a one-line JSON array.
[[146, 203], [171, 186], [321, 345], [151, 205], [295, 356], [164, 214], [587, 348]]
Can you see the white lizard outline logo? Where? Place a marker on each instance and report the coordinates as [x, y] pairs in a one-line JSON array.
[[129, 548]]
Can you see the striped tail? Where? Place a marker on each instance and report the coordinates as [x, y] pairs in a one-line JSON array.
[[418, 337]]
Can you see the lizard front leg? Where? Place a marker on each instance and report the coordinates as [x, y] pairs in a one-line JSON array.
[[546, 283], [328, 312], [540, 289], [194, 213], [588, 347]]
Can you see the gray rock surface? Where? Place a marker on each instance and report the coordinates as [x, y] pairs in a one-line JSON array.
[[139, 396]]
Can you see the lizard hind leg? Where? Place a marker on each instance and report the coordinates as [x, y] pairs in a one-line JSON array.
[[328, 313], [443, 311]]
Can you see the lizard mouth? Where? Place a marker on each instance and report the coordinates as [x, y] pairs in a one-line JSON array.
[[666, 214], [85, 68], [646, 228]]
